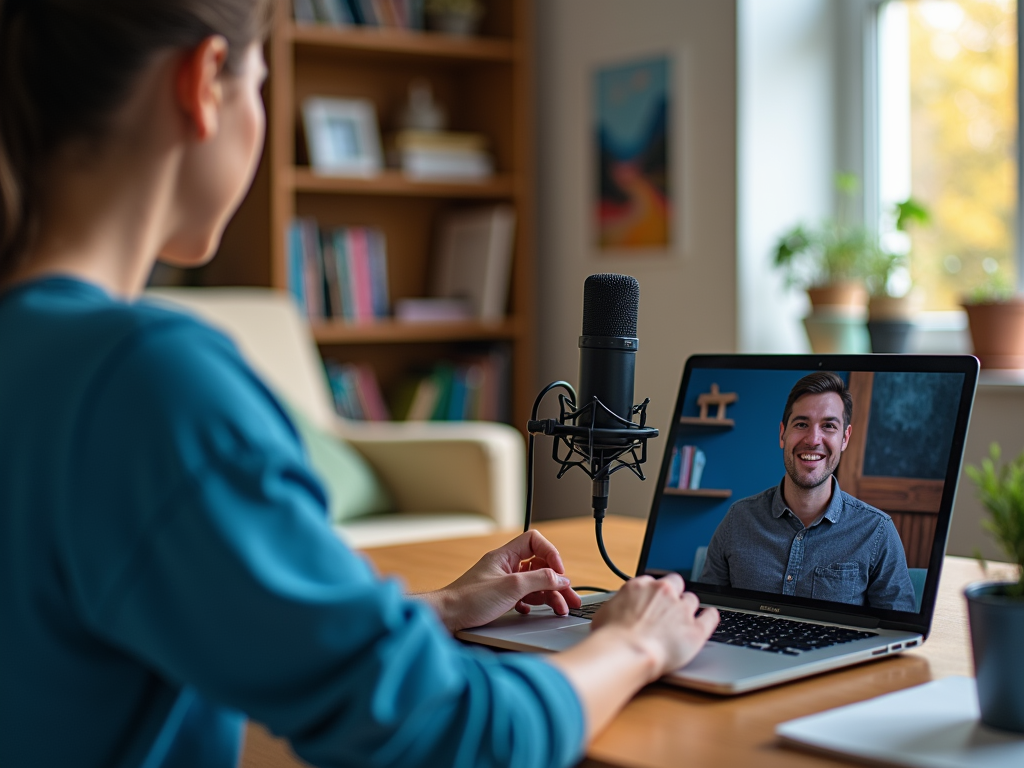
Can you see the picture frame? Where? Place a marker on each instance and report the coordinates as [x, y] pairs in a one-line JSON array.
[[342, 136]]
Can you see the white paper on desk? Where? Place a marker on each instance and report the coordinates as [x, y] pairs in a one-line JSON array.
[[935, 725]]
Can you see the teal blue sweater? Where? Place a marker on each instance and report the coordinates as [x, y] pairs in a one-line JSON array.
[[167, 570]]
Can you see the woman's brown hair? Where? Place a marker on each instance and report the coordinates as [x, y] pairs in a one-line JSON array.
[[65, 67]]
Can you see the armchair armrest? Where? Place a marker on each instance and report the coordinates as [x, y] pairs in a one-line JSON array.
[[447, 467]]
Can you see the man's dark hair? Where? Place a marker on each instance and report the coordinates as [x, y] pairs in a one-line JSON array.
[[818, 383]]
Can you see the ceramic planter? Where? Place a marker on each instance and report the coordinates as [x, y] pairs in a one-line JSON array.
[[836, 333], [997, 624], [997, 333], [847, 296], [891, 322]]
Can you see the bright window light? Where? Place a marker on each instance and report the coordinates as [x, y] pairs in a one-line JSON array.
[[948, 138]]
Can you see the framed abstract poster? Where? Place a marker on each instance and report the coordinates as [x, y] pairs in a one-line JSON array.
[[633, 197]]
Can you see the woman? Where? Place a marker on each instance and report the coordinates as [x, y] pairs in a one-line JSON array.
[[166, 568]]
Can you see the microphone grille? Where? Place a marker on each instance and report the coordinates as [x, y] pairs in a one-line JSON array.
[[610, 305]]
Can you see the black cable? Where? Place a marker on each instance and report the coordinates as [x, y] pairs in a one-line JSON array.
[[598, 525], [529, 456]]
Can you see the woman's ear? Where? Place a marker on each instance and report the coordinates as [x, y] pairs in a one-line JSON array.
[[198, 85]]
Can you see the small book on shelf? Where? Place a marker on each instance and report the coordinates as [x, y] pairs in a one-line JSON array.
[[474, 258]]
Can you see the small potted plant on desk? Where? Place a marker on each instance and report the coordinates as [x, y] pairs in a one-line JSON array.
[[995, 317], [996, 609], [829, 262], [893, 303]]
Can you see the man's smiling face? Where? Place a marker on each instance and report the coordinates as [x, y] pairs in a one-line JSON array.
[[814, 439]]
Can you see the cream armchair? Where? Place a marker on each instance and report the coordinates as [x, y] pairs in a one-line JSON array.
[[446, 479]]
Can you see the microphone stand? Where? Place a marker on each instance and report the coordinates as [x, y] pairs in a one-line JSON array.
[[601, 451]]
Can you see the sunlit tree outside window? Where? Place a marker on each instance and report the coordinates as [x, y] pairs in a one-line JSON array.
[[948, 138]]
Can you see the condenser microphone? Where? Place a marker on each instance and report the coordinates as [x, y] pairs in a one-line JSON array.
[[595, 431], [608, 350]]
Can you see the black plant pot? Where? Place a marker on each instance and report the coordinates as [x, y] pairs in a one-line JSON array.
[[890, 335], [997, 626]]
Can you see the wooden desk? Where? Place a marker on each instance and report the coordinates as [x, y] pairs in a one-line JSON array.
[[667, 726]]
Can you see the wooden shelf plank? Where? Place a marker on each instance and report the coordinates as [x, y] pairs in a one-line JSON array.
[[392, 42], [395, 332], [394, 183], [710, 493], [696, 421]]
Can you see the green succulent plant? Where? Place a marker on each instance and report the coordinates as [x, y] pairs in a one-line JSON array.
[[1001, 491]]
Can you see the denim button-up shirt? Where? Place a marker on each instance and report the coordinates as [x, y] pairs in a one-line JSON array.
[[852, 554]]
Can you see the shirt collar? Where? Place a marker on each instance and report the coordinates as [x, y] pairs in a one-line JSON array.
[[833, 511]]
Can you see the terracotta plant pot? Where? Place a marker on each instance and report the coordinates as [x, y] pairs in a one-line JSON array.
[[997, 333], [997, 622], [845, 297]]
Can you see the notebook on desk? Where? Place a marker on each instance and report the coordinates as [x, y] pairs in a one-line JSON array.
[[797, 598]]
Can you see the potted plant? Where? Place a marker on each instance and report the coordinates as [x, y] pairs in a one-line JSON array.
[[996, 609], [995, 317], [829, 262], [892, 303]]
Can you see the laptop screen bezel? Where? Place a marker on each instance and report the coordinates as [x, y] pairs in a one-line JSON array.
[[818, 609]]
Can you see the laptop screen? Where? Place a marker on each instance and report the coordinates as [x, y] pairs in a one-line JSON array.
[[845, 506]]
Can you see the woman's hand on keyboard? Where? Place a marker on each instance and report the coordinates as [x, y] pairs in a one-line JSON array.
[[526, 571], [660, 619]]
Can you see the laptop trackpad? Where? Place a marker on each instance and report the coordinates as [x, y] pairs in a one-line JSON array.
[[558, 639]]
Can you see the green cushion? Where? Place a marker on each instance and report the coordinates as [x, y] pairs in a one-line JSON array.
[[352, 487]]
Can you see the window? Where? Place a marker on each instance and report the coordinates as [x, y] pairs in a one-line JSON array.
[[947, 136]]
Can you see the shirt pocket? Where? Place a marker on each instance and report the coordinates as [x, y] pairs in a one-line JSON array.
[[839, 582]]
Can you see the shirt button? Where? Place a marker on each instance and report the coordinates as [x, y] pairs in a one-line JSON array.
[[790, 577], [799, 537]]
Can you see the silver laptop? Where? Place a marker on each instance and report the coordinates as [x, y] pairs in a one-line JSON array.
[[858, 584]]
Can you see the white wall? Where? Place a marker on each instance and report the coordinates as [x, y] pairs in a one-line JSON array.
[[787, 149], [687, 294]]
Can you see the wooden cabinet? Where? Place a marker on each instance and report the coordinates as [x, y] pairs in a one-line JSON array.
[[485, 83]]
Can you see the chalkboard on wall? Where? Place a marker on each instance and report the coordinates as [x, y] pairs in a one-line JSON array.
[[910, 432]]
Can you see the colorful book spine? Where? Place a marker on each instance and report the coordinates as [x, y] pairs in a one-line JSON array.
[[296, 281], [699, 460], [686, 467]]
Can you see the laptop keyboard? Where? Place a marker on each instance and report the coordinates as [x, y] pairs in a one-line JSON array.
[[766, 633]]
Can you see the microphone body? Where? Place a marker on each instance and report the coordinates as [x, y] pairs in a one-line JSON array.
[[608, 349]]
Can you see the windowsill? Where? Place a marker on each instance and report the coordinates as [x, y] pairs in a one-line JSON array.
[[947, 333]]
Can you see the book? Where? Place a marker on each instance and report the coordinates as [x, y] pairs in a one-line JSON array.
[[437, 140], [473, 259], [296, 282], [699, 460], [445, 164], [304, 11], [334, 308], [673, 468], [424, 401], [312, 269], [432, 310], [686, 466], [378, 273]]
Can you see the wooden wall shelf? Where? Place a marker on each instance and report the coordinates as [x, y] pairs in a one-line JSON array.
[[395, 183], [399, 42], [710, 493], [393, 332], [696, 421]]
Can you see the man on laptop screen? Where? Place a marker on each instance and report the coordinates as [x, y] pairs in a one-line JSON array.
[[806, 537]]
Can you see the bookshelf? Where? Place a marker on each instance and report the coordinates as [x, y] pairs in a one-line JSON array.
[[485, 83]]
